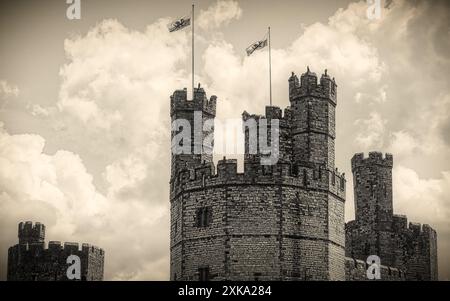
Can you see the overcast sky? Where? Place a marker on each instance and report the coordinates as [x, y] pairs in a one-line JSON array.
[[84, 108]]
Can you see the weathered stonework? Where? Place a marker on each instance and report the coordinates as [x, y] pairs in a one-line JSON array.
[[280, 222], [356, 270], [377, 231], [31, 261], [286, 221]]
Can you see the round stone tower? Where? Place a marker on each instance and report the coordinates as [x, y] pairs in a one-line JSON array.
[[283, 221]]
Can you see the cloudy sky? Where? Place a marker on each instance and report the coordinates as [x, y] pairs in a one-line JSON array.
[[84, 108]]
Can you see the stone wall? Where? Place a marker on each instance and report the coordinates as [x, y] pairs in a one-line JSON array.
[[280, 222], [356, 270], [377, 231], [32, 261]]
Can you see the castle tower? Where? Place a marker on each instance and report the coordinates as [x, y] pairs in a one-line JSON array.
[[376, 230], [373, 190], [191, 114], [313, 119], [372, 182], [280, 221], [31, 234], [31, 261]]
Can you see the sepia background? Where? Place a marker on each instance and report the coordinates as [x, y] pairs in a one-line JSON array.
[[84, 107]]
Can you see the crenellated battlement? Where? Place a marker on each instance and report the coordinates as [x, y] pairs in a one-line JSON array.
[[309, 86], [314, 177], [272, 112], [400, 225], [56, 247], [356, 270], [399, 222], [417, 229], [375, 158], [31, 233], [286, 206], [179, 102], [33, 260]]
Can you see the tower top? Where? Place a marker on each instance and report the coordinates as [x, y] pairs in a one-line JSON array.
[[308, 85], [179, 102], [29, 233], [374, 159]]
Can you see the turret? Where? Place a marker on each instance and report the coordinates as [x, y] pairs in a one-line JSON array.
[[190, 117], [313, 119], [372, 179], [31, 234]]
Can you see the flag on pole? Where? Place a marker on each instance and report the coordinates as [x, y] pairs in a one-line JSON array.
[[179, 24], [260, 45], [256, 46]]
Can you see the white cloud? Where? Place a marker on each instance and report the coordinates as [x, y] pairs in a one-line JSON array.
[[116, 88], [114, 100], [425, 201], [113, 73], [379, 97], [38, 110], [54, 188], [371, 132], [8, 90], [403, 143], [242, 83], [58, 191], [222, 12]]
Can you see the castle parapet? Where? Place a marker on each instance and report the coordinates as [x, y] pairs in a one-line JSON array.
[[308, 86], [33, 261], [356, 270], [375, 158], [90, 249], [179, 102], [417, 229], [71, 246], [306, 177], [273, 112], [227, 168], [29, 233], [205, 170], [399, 222]]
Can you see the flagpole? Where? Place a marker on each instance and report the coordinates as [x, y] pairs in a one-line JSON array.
[[193, 56], [270, 69]]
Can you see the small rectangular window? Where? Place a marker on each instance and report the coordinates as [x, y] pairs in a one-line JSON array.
[[295, 170], [203, 274], [203, 217]]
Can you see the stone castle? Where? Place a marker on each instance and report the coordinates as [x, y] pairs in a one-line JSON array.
[[286, 221], [29, 260], [377, 230]]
